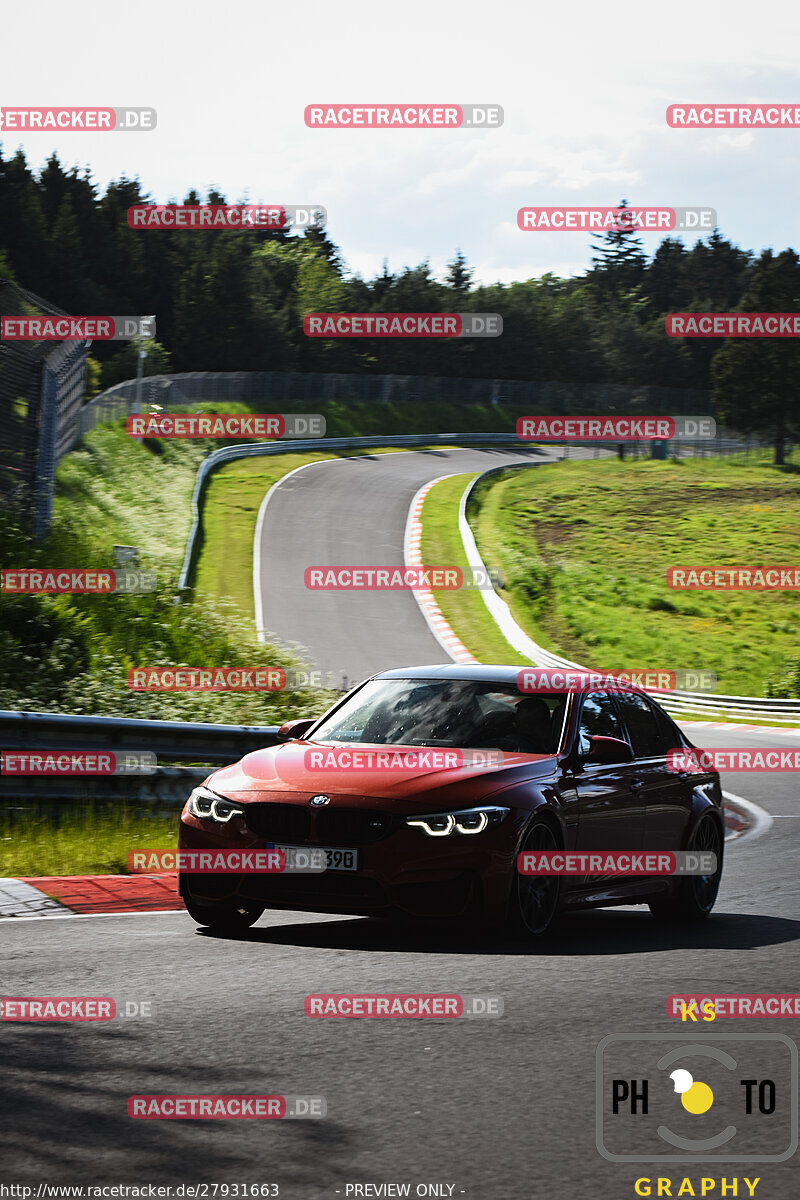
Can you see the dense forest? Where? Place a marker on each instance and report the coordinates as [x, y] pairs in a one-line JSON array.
[[235, 301]]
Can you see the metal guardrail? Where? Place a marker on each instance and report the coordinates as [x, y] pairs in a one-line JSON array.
[[750, 708], [174, 741], [178, 741]]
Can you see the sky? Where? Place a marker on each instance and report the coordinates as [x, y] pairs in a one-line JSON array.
[[584, 88]]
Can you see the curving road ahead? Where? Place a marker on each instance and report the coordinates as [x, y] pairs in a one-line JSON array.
[[353, 511]]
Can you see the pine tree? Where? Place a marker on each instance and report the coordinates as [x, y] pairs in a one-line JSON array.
[[619, 262], [459, 275]]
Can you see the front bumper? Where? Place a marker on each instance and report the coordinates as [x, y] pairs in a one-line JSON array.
[[404, 871]]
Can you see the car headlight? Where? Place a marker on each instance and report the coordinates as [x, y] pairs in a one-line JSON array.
[[208, 806], [467, 821]]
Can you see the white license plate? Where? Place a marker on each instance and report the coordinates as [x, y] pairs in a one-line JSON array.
[[318, 858]]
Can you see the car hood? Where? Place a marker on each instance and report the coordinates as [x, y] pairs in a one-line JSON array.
[[283, 769]]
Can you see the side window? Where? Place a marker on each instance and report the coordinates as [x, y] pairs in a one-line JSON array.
[[643, 732], [598, 718], [667, 731]]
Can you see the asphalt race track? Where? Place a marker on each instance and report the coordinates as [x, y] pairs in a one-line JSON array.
[[497, 1108], [353, 511]]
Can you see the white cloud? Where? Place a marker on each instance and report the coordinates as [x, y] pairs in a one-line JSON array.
[[584, 102]]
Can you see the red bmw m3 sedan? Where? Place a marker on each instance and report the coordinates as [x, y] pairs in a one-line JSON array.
[[413, 796]]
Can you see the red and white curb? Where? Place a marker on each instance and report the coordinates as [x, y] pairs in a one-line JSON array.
[[412, 553], [20, 899], [88, 895], [127, 895]]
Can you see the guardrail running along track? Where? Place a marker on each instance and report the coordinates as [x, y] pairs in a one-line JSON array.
[[173, 741]]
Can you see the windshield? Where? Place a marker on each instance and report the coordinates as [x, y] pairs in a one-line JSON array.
[[448, 712]]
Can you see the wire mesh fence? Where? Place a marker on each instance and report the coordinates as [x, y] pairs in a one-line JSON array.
[[274, 389], [42, 388]]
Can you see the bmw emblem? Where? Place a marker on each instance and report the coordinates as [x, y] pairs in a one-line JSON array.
[[318, 801]]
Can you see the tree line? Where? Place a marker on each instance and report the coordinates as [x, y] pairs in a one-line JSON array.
[[235, 301]]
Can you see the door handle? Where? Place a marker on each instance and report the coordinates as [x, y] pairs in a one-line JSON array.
[[636, 785]]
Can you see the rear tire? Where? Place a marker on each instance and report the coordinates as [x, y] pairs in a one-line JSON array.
[[227, 918], [696, 895], [535, 899]]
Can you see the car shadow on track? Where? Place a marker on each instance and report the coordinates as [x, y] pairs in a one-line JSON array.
[[591, 933]]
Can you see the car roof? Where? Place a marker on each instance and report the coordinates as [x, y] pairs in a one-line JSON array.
[[478, 672], [495, 673]]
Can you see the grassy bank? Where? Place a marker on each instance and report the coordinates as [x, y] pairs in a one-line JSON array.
[[94, 840], [585, 547], [71, 653]]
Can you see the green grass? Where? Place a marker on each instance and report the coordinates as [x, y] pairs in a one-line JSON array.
[[92, 840], [585, 547], [72, 653], [464, 610]]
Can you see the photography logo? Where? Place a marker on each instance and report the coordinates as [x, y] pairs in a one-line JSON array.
[[726, 1098]]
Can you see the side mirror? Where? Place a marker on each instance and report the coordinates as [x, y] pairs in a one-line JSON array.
[[608, 750], [291, 730]]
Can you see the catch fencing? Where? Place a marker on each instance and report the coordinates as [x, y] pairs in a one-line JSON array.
[[42, 387], [277, 389]]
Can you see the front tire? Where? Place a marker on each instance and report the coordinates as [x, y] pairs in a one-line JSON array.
[[535, 899], [227, 918], [695, 895]]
